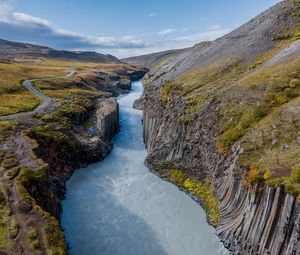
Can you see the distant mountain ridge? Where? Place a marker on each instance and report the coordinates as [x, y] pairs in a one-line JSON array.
[[10, 50], [151, 58]]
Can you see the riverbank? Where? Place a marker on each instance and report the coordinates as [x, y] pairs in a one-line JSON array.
[[225, 114], [39, 152], [125, 209]]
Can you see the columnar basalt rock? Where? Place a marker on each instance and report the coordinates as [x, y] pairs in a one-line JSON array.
[[254, 218], [107, 116]]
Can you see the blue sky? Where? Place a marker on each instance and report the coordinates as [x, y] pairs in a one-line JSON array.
[[123, 27]]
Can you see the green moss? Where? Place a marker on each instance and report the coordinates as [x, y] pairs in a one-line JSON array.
[[166, 89], [32, 238], [5, 243], [52, 133], [295, 175], [9, 163], [89, 123], [278, 91], [177, 177], [31, 233], [25, 178], [13, 227], [7, 128], [53, 235], [201, 84], [259, 112], [202, 190], [35, 245], [11, 173], [282, 36], [294, 83], [254, 175]]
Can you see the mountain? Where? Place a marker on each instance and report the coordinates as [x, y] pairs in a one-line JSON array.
[[150, 59], [224, 117], [20, 50]]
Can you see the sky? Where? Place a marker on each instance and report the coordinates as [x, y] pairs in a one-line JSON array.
[[123, 27]]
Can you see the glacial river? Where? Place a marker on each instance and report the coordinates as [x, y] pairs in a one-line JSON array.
[[117, 207]]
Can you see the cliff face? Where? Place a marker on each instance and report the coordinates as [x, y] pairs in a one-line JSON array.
[[108, 118], [39, 152], [257, 220], [79, 150], [214, 112]]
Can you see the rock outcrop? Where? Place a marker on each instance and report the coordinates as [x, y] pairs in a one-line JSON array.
[[184, 118], [107, 116], [77, 150]]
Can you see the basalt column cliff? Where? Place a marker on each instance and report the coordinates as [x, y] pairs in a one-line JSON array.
[[222, 121]]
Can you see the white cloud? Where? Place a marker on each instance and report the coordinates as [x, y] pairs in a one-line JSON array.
[[166, 31], [152, 14], [177, 43], [215, 27], [23, 27], [205, 36]]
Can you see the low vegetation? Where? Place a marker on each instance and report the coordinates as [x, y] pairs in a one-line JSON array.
[[293, 34], [257, 107], [202, 84], [14, 97], [202, 190], [6, 128], [6, 244]]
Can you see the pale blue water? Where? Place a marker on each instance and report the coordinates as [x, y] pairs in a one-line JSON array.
[[117, 207]]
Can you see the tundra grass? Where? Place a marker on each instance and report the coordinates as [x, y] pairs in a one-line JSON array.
[[6, 244], [202, 84], [12, 103], [14, 97], [7, 128], [257, 106]]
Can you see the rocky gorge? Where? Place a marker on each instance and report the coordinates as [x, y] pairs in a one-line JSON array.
[[220, 121], [210, 114], [39, 152]]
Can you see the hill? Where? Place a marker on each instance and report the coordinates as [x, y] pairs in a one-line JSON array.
[[11, 50]]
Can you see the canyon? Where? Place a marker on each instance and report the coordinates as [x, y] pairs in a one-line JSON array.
[[220, 121], [198, 129]]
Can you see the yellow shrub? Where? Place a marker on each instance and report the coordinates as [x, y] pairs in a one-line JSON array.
[[267, 175], [177, 177], [204, 192], [295, 175], [253, 174], [294, 83]]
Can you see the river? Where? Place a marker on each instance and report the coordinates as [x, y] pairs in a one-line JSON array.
[[118, 207]]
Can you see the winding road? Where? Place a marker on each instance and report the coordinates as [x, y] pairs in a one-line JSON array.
[[47, 101]]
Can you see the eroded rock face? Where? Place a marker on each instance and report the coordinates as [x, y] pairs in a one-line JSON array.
[[138, 74], [138, 104], [107, 116], [78, 150], [254, 219]]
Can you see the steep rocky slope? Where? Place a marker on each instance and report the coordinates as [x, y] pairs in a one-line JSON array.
[[152, 58], [221, 120]]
